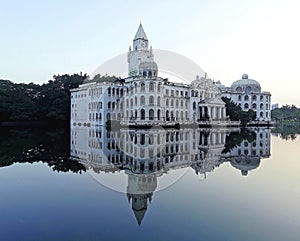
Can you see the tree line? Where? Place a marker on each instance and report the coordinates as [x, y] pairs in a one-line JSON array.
[[286, 113], [45, 102]]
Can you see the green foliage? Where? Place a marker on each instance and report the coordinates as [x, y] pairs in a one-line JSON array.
[[47, 145], [286, 112], [287, 130], [29, 102], [235, 139], [236, 113]]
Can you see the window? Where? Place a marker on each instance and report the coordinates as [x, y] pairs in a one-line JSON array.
[[158, 114], [142, 100], [254, 106], [158, 100], [151, 87], [151, 100], [248, 89], [158, 87], [246, 106], [143, 87], [239, 97], [135, 100], [254, 97], [246, 97], [151, 114], [194, 105], [142, 114]]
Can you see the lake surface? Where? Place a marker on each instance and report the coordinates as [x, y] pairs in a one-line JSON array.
[[190, 184]]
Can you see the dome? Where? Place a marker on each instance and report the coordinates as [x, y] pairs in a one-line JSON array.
[[246, 85], [246, 164], [148, 69]]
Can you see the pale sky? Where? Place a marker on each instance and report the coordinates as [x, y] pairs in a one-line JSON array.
[[225, 38]]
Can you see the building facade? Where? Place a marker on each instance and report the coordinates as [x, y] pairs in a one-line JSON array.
[[248, 95], [145, 99]]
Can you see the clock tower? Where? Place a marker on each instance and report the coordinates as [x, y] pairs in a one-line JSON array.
[[140, 53]]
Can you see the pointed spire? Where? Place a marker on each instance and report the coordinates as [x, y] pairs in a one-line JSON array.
[[139, 215], [140, 34]]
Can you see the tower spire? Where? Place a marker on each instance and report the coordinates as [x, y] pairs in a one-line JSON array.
[[140, 34]]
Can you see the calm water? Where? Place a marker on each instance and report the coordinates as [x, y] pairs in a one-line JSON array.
[[189, 184]]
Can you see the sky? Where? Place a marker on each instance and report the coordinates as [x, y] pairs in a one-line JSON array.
[[225, 38]]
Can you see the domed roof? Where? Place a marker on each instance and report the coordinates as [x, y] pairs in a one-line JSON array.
[[246, 84], [148, 65]]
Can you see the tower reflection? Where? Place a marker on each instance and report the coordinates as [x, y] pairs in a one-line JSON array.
[[146, 156]]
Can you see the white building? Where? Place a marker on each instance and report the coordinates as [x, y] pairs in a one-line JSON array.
[[248, 95], [144, 99]]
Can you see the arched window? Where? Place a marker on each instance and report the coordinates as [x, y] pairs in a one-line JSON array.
[[158, 114], [109, 105], [142, 114], [151, 114], [151, 100], [144, 74], [246, 106], [167, 102], [151, 86], [158, 87], [142, 87], [108, 116], [181, 103], [254, 97], [181, 115], [177, 103], [261, 114], [194, 105], [238, 89], [261, 106], [135, 114], [246, 97], [254, 106], [167, 115], [239, 97], [109, 90], [113, 105], [142, 100], [135, 100], [158, 100], [172, 102]]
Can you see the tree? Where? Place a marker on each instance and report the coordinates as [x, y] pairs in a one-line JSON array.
[[236, 113]]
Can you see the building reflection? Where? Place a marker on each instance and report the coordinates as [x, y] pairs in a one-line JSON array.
[[146, 155]]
